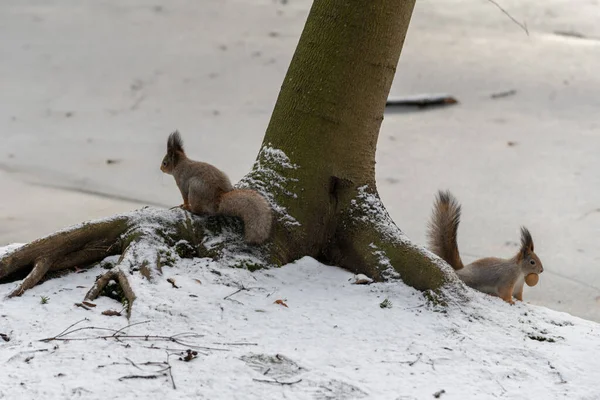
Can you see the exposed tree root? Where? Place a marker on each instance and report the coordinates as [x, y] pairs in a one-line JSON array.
[[366, 240], [77, 246], [147, 239], [357, 234], [119, 276], [345, 225], [40, 268], [361, 238]]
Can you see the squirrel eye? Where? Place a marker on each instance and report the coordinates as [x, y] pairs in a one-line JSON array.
[[165, 163], [532, 262]]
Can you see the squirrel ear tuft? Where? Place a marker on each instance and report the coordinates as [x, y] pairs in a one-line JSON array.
[[174, 143], [526, 241]]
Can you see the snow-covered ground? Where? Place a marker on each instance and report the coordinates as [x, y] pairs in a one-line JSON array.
[[90, 91], [330, 339], [88, 82]]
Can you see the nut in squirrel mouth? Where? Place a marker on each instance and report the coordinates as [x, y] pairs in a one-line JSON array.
[[532, 279]]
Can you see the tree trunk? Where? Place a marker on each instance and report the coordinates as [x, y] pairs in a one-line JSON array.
[[316, 167], [326, 121]]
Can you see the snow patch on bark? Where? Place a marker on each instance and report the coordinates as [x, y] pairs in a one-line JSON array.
[[266, 178], [382, 259], [368, 207]]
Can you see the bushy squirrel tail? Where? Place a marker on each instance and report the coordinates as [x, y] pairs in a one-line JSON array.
[[253, 209], [443, 228]]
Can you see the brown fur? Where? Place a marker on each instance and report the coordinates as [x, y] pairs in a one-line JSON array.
[[253, 209], [207, 190], [443, 229], [496, 276]]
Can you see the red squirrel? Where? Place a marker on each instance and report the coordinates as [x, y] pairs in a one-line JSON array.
[[207, 190], [496, 276]]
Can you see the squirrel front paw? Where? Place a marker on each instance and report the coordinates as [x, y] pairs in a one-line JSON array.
[[183, 206]]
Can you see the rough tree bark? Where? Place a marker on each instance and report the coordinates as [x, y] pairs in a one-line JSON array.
[[327, 121], [316, 166]]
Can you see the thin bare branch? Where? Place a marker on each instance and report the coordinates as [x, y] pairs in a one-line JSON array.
[[64, 336], [72, 325], [170, 372], [236, 344], [521, 25], [129, 326], [276, 382], [139, 377], [228, 297]]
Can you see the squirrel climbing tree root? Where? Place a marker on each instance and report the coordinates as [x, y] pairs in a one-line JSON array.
[[206, 190]]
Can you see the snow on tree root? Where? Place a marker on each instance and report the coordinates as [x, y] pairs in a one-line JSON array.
[[147, 240], [102, 283], [268, 177], [369, 242], [365, 241], [40, 268], [76, 246]]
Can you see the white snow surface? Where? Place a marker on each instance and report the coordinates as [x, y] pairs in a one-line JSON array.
[[87, 82], [332, 341], [92, 81]]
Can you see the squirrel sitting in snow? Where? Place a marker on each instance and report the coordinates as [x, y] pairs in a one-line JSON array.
[[496, 276], [207, 190]]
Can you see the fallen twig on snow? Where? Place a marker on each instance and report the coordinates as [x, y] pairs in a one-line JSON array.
[[506, 93], [117, 335], [166, 369], [521, 25], [228, 297], [27, 359], [170, 371], [237, 344], [130, 325], [275, 381], [139, 377], [411, 363], [83, 306], [557, 372], [61, 336], [421, 101]]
